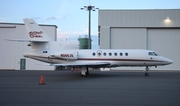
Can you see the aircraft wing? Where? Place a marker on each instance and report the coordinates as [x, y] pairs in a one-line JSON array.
[[94, 64]]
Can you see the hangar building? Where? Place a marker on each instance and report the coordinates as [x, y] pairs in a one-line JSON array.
[[11, 53], [154, 29]]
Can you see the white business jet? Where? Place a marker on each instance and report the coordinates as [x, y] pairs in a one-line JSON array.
[[51, 52]]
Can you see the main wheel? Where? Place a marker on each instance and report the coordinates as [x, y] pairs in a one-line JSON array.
[[146, 74], [87, 72], [83, 75]]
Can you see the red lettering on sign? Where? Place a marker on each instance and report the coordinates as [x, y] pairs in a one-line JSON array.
[[35, 34], [66, 55]]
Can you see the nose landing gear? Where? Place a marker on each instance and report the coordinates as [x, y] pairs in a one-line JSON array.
[[146, 71], [146, 74]]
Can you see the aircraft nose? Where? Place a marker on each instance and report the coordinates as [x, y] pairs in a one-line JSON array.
[[168, 61]]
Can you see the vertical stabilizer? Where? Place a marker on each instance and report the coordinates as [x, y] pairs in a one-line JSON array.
[[35, 32]]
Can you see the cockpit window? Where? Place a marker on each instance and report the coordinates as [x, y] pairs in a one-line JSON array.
[[155, 54], [152, 54]]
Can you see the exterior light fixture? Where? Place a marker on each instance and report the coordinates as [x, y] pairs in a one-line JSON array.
[[89, 8], [167, 20]]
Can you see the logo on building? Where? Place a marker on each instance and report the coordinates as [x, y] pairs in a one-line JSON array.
[[35, 34]]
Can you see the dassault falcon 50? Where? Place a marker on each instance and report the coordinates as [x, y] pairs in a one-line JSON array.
[[46, 50]]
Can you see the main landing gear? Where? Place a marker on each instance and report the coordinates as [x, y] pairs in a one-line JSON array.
[[146, 71], [84, 71]]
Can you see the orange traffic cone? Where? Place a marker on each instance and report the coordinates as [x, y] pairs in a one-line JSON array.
[[41, 80]]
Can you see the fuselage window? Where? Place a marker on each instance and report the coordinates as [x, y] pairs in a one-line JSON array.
[[115, 54], [110, 54], [99, 54], [121, 54], [126, 54], [94, 54], [104, 54]]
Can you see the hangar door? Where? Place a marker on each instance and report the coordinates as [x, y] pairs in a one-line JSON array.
[[7, 48], [128, 38], [167, 43]]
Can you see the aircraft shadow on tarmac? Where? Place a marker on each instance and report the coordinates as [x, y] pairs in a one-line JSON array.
[[63, 76], [74, 76]]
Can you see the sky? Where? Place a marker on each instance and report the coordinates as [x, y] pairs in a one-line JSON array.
[[72, 22]]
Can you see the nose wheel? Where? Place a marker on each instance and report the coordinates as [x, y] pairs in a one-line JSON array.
[[146, 74], [146, 71]]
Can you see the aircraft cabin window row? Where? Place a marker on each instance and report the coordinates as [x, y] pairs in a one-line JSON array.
[[110, 54]]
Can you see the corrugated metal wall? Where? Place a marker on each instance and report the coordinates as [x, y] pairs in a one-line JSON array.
[[12, 52], [7, 49], [157, 30], [138, 18], [166, 42], [123, 38]]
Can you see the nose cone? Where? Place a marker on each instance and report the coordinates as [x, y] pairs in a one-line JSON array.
[[167, 61], [170, 61]]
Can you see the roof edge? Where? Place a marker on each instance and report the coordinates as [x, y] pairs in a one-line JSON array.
[[7, 23], [135, 9]]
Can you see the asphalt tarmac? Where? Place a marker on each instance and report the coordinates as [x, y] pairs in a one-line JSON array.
[[65, 88]]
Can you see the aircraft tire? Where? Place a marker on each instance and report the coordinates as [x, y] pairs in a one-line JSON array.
[[146, 74], [87, 73], [83, 75]]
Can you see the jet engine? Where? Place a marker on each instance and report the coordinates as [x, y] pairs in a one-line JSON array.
[[67, 55]]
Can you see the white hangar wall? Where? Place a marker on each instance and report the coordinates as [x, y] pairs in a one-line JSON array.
[[12, 52], [156, 29]]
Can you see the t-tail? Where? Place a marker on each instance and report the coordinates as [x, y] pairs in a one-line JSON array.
[[40, 40], [37, 36], [35, 32]]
